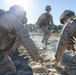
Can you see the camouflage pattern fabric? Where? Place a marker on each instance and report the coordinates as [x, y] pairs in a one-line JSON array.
[[66, 41], [6, 65], [71, 43], [47, 34], [70, 66], [11, 24], [20, 32], [43, 22], [68, 30], [45, 19]]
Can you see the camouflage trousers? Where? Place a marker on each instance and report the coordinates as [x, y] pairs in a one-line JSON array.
[[6, 65], [70, 66], [46, 32]]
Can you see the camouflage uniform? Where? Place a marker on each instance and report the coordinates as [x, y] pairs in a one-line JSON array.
[[68, 30], [44, 27], [6, 65], [67, 34], [10, 25], [18, 42]]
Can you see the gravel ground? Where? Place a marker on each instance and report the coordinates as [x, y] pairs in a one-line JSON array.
[[46, 52]]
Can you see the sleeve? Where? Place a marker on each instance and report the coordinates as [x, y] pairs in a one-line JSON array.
[[40, 18], [24, 37], [51, 20], [63, 43]]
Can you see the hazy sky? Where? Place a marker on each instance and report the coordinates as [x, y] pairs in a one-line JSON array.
[[35, 8]]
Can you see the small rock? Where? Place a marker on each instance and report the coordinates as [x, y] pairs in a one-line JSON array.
[[52, 70], [37, 67]]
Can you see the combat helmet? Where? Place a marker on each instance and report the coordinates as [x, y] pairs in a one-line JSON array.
[[66, 15], [16, 8], [48, 7], [18, 11]]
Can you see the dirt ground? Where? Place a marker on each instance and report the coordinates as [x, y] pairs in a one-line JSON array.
[[46, 52]]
